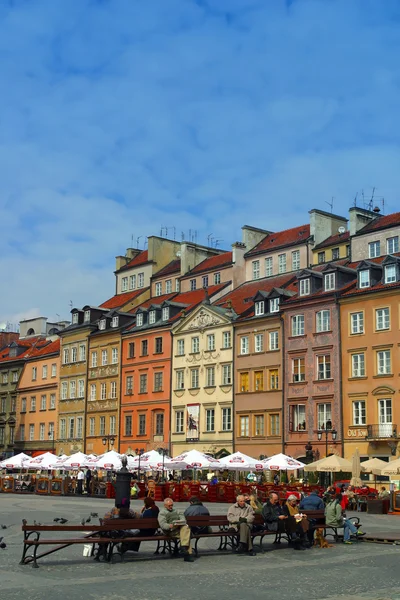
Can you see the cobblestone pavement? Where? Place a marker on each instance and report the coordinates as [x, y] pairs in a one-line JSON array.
[[362, 572]]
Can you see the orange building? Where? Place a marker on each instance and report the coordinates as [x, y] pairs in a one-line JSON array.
[[146, 370], [37, 400], [370, 324]]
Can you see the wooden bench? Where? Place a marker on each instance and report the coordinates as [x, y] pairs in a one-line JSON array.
[[318, 516]]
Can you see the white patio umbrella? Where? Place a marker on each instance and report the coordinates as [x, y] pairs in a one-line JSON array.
[[193, 459], [151, 460], [373, 465], [241, 462], [43, 461], [330, 464], [282, 462], [110, 460], [75, 461], [356, 469], [15, 462], [391, 468]]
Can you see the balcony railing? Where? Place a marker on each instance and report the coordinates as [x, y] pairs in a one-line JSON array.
[[381, 431]]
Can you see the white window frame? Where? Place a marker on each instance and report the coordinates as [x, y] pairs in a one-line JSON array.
[[113, 390], [194, 378], [258, 342], [193, 285], [102, 324], [180, 347], [255, 269], [86, 316], [165, 313], [357, 323], [384, 362], [93, 391], [244, 344], [210, 342], [282, 263], [140, 280], [179, 421], [295, 260], [132, 282], [329, 282], [104, 358], [274, 305], [392, 245], [324, 414], [298, 325], [358, 364], [226, 419], [210, 376], [114, 321], [217, 278], [323, 321], [359, 412], [259, 308], [195, 345], [168, 286], [273, 340], [374, 249], [180, 379], [382, 319], [226, 339], [44, 371], [210, 420], [269, 267], [364, 278], [244, 424], [304, 287], [227, 374], [390, 273], [158, 288], [124, 284], [93, 356], [81, 388], [324, 367], [152, 317], [139, 319]]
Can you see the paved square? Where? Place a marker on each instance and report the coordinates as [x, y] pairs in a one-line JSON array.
[[363, 571]]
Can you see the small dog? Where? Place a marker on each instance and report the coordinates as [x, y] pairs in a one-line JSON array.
[[320, 539]]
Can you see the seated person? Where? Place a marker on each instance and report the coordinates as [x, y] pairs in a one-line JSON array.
[[149, 511], [196, 509], [296, 525], [255, 504], [240, 518], [312, 502], [335, 518], [174, 525], [384, 493], [274, 517]]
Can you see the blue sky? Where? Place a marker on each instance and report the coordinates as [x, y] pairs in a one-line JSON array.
[[120, 116]]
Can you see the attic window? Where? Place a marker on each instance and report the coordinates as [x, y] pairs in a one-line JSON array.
[[13, 352], [102, 324], [87, 316], [114, 322], [152, 317], [305, 287], [364, 279], [165, 313], [75, 317], [139, 319], [329, 282], [274, 305], [259, 308], [390, 273]]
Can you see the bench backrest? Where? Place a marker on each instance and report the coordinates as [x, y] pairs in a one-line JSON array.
[[317, 515]]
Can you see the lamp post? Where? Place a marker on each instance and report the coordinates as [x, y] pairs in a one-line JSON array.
[[108, 440], [123, 486], [139, 452], [321, 432], [164, 453]]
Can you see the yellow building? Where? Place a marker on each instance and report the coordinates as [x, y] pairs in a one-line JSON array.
[[333, 248], [370, 324], [202, 381]]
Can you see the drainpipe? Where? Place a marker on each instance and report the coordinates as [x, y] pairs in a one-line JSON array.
[[170, 396], [340, 375], [283, 379]]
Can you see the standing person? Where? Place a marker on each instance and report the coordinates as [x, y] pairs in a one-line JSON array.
[[334, 517], [80, 478], [88, 477], [241, 517], [276, 479], [173, 524]]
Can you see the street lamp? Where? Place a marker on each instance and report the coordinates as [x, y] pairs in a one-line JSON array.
[[139, 452], [164, 453], [320, 433], [108, 440]]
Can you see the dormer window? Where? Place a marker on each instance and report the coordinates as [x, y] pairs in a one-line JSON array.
[[152, 317], [87, 316], [102, 324], [139, 319], [259, 308], [274, 305], [114, 322], [364, 278], [75, 317], [390, 273], [329, 282], [165, 313], [304, 287], [13, 352]]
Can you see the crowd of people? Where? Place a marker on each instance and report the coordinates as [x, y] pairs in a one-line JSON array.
[[286, 519]]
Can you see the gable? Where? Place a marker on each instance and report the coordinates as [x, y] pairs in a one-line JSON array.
[[203, 317]]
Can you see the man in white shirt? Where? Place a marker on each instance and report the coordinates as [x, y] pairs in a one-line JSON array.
[[81, 477]]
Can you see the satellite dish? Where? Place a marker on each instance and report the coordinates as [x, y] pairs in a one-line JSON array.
[[3, 326], [341, 229]]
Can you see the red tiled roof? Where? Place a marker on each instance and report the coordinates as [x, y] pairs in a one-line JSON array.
[[281, 239], [383, 222], [196, 296], [30, 345], [338, 238], [214, 262], [173, 267], [154, 300], [49, 348], [122, 299], [140, 259], [241, 297]]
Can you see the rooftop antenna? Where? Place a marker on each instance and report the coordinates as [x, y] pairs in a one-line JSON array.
[[137, 241], [182, 236], [132, 240], [209, 237], [330, 203], [218, 241], [71, 304], [355, 199], [145, 242], [195, 236]]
